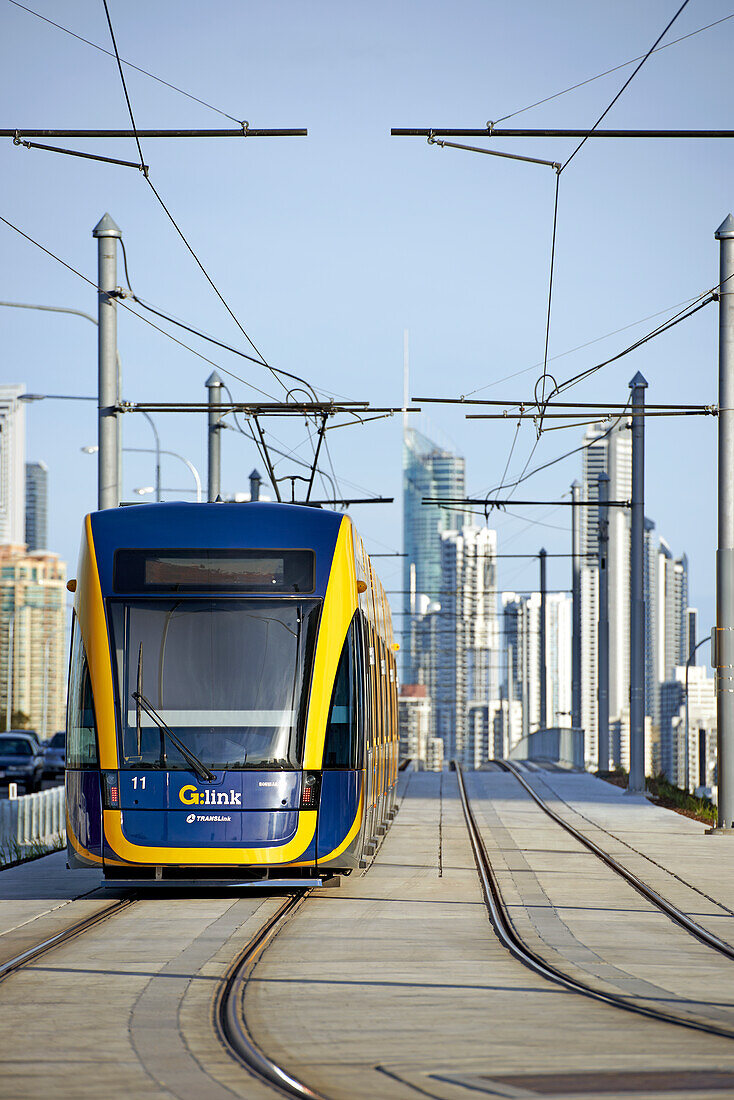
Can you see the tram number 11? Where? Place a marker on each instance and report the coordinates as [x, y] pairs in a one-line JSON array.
[[139, 781]]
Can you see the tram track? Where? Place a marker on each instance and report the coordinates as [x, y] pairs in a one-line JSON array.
[[652, 896], [228, 1007], [511, 940], [74, 931]]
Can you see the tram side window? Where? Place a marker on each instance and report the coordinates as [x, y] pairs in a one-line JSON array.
[[81, 727], [341, 747]]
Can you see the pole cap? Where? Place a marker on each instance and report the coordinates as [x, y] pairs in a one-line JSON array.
[[213, 380], [726, 229], [106, 227], [255, 476], [638, 382]]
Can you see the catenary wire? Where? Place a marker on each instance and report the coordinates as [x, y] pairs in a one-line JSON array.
[[122, 303], [568, 454], [275, 371], [662, 328], [580, 347], [563, 167], [626, 84], [608, 72], [129, 64]]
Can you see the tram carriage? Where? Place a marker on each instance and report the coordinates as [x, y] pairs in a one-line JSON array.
[[232, 704]]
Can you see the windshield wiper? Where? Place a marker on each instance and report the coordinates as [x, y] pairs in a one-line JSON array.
[[201, 769]]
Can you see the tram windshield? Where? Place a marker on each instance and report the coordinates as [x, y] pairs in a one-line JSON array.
[[228, 678]]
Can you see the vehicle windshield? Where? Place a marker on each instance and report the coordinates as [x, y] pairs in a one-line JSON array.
[[15, 746], [58, 741], [228, 677]]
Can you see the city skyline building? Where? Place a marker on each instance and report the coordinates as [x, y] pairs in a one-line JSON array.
[[32, 638], [12, 465], [521, 629], [36, 505], [468, 640], [429, 470]]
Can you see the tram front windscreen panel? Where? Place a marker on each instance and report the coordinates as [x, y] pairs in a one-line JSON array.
[[229, 678]]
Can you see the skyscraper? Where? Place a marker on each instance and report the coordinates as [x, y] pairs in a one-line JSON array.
[[607, 451], [36, 503], [12, 466], [32, 638], [468, 642], [521, 622], [428, 471]]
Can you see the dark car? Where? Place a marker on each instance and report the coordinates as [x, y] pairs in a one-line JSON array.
[[21, 761], [37, 743], [54, 756]]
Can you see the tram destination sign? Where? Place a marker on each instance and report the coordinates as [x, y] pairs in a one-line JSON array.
[[213, 570]]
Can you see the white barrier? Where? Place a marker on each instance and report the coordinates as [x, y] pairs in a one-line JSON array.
[[31, 823]]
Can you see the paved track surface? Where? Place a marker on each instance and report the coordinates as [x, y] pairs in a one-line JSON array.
[[397, 984], [393, 986]]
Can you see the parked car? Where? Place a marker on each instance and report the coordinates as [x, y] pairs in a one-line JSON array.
[[54, 756], [29, 733], [21, 760]]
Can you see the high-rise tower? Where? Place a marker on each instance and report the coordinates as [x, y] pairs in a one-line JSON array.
[[36, 505], [428, 471], [12, 466]]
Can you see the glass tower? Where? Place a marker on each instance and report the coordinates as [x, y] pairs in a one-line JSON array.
[[428, 471], [36, 505]]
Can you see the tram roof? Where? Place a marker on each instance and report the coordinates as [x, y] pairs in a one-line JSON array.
[[256, 525]]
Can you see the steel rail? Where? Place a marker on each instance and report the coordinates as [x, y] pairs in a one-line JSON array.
[[229, 1019], [509, 938], [60, 938], [670, 910]]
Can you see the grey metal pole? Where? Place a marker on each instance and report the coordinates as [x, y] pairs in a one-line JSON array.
[[543, 645], [576, 607], [638, 385], [724, 654], [108, 456], [602, 702], [255, 480], [214, 386]]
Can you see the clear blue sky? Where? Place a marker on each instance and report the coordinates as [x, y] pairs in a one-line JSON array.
[[327, 247]]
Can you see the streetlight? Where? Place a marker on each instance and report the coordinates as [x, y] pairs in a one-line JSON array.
[[66, 397], [92, 449]]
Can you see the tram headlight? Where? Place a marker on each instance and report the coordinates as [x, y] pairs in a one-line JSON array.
[[310, 790], [111, 790]]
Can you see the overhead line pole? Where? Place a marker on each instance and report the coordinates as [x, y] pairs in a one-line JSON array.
[[108, 455], [214, 436], [724, 634], [576, 608], [543, 647], [638, 385], [602, 655]]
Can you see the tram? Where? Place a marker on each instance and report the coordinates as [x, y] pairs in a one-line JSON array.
[[232, 709]]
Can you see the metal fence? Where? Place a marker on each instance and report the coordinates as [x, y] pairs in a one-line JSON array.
[[31, 823]]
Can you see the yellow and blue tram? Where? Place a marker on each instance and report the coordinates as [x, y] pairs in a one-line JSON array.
[[232, 694]]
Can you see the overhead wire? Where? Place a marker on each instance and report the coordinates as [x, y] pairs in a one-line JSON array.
[[608, 72], [129, 64], [580, 347], [275, 371], [121, 302], [626, 84], [568, 454], [561, 169]]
